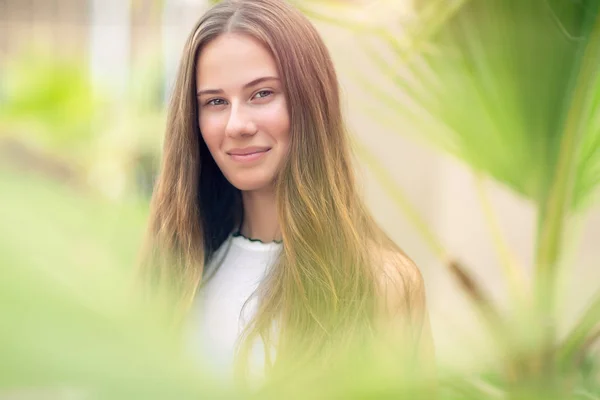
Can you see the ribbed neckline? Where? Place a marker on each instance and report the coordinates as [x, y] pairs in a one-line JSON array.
[[254, 244]]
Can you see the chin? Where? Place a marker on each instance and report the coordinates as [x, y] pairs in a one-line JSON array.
[[247, 187], [253, 184]]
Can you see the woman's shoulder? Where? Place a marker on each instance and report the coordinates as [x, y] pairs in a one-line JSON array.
[[402, 311], [399, 284], [397, 265]]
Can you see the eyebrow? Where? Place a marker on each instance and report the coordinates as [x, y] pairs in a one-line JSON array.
[[246, 86]]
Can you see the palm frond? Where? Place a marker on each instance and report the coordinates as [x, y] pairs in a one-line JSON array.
[[487, 81]]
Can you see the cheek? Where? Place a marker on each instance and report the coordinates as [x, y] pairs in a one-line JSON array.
[[212, 131], [279, 123], [284, 133]]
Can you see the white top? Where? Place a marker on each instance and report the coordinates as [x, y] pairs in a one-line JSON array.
[[219, 315]]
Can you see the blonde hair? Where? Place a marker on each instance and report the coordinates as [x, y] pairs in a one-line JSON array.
[[322, 288]]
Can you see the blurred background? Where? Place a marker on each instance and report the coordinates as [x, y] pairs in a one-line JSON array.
[[83, 93]]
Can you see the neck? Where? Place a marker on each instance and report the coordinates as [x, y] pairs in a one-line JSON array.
[[260, 216]]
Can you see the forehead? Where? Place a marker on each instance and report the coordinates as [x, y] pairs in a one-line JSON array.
[[232, 60]]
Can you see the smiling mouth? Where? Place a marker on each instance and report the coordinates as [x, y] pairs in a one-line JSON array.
[[251, 156]]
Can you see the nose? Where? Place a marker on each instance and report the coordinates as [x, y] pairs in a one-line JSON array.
[[240, 122]]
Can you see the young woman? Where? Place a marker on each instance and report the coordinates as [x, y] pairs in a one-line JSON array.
[[256, 203]]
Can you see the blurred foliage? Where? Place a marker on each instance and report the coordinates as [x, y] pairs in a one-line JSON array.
[[491, 82], [48, 103], [512, 89], [53, 110], [509, 79], [72, 324], [127, 151]]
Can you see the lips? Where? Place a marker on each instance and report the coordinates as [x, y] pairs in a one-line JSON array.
[[248, 154], [248, 151]]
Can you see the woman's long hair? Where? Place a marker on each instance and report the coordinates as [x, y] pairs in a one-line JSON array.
[[321, 290]]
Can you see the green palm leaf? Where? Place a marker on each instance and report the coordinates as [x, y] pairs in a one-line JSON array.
[[499, 83]]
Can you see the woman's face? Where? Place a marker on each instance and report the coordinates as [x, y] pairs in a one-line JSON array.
[[242, 110]]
